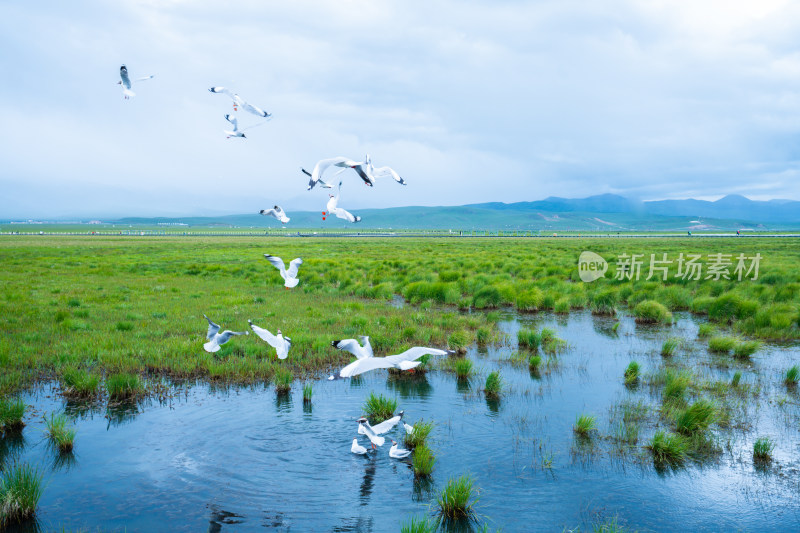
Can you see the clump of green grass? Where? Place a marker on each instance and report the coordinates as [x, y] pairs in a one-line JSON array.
[[652, 312], [419, 436], [762, 449], [584, 425], [459, 341], [60, 432], [562, 306], [602, 303], [745, 349], [124, 386], [706, 330], [283, 381], [483, 336], [308, 391], [20, 491], [676, 384], [551, 343], [610, 525], [463, 368], [494, 385], [696, 418], [11, 414], [423, 461], [77, 383], [529, 339], [669, 346], [632, 373], [668, 448], [124, 326], [379, 408], [720, 344], [456, 500], [535, 361], [792, 376], [419, 525], [737, 377]]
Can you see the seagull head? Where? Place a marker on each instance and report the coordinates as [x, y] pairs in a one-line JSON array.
[[244, 136], [394, 443], [362, 420]]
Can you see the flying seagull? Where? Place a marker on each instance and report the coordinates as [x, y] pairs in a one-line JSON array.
[[279, 342], [373, 438], [345, 163], [383, 427], [126, 82], [289, 276], [404, 361], [338, 211], [217, 339], [235, 133], [352, 346], [238, 101], [276, 212], [357, 448], [381, 172], [398, 453]]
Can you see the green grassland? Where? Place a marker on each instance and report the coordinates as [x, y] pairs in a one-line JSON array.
[[111, 305]]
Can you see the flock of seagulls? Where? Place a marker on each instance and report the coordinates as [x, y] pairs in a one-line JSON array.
[[373, 433], [363, 169]]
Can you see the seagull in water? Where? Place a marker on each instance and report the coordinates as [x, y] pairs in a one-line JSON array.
[[361, 351], [289, 276], [276, 212], [404, 361], [357, 448], [126, 82], [338, 211], [217, 339], [373, 438], [279, 342], [238, 102], [345, 163], [383, 427], [398, 453], [409, 429]]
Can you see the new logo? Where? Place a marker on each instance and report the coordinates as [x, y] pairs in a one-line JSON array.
[[591, 266]]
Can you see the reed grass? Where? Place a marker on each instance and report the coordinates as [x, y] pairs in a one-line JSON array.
[[423, 461], [675, 385], [462, 368], [420, 434], [78, 383], [695, 418], [283, 380], [721, 344], [585, 425], [494, 385], [308, 391], [12, 412], [745, 349], [457, 499], [528, 339], [792, 376], [737, 377], [60, 432], [762, 449], [124, 386], [668, 448], [421, 524], [20, 491], [669, 346], [379, 408], [534, 362], [706, 330]]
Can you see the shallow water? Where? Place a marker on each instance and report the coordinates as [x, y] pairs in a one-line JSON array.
[[242, 459]]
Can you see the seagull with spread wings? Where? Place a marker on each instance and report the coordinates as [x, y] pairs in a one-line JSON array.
[[238, 102], [126, 82], [404, 361], [217, 339], [279, 342], [276, 212], [334, 209], [289, 275]]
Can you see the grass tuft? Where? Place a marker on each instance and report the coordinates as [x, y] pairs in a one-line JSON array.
[[745, 349], [669, 347], [652, 312], [494, 385], [379, 408], [696, 418], [535, 361], [283, 381], [737, 377], [676, 384], [792, 376], [60, 432], [308, 391], [463, 368], [720, 344], [77, 383], [762, 449], [706, 330], [423, 461], [20, 491], [668, 448], [632, 373], [11, 414], [419, 436], [419, 525], [584, 425], [456, 500], [124, 386], [529, 339]]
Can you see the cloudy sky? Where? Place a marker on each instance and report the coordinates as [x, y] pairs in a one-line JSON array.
[[470, 101]]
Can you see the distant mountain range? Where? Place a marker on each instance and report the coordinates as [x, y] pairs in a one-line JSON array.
[[606, 212]]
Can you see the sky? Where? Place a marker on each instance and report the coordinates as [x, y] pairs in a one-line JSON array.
[[469, 101]]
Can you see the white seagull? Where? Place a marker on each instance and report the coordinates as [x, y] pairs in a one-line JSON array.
[[276, 212], [345, 163], [235, 133], [361, 351], [279, 342], [404, 361], [383, 427], [373, 438], [238, 101], [381, 172], [357, 448], [289, 276], [409, 429], [217, 339], [126, 82], [338, 211], [398, 453]]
